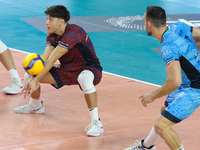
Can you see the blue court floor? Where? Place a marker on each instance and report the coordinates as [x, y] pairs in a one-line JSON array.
[[122, 45]]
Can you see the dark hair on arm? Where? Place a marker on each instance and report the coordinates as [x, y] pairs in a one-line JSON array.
[[58, 11], [156, 15]]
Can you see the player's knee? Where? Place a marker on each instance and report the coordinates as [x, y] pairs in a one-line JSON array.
[[3, 47], [161, 127], [158, 128], [162, 108], [85, 80]]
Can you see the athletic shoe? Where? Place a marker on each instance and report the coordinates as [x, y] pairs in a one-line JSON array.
[[95, 128], [27, 109], [15, 87], [138, 145]]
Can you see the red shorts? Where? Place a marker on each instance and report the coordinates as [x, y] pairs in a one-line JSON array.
[[63, 76]]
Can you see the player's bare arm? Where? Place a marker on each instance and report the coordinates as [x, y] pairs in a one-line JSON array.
[[172, 82], [53, 57], [48, 50]]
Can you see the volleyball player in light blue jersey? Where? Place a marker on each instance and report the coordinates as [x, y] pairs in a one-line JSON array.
[[182, 85], [178, 44]]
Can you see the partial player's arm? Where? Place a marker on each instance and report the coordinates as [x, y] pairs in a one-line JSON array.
[[196, 36], [48, 50], [53, 57], [172, 82]]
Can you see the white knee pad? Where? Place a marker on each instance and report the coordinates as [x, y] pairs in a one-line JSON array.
[[85, 80], [3, 47]]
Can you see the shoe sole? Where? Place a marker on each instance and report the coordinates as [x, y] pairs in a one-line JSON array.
[[95, 135], [10, 93]]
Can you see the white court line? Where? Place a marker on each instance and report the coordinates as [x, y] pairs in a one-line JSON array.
[[131, 79], [103, 72]]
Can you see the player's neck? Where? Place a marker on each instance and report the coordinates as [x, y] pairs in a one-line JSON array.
[[158, 33], [61, 30]]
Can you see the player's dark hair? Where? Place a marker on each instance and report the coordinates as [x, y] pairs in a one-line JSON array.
[[58, 11], [156, 15]]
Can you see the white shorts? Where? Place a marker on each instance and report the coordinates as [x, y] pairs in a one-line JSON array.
[[3, 47]]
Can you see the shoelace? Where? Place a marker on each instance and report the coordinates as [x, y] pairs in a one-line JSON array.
[[136, 143], [13, 83], [95, 122], [88, 127]]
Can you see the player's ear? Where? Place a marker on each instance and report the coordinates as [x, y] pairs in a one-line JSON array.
[[149, 24], [62, 21]]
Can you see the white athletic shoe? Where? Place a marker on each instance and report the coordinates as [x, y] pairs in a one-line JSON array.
[[27, 109], [138, 145], [15, 87], [95, 128]]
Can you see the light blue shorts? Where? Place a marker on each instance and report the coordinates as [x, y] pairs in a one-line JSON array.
[[181, 103]]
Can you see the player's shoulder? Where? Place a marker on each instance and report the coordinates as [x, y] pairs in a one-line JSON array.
[[178, 27], [73, 30], [174, 31], [50, 35], [179, 23], [73, 27]]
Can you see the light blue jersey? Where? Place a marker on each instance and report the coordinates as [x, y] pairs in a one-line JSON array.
[[178, 45]]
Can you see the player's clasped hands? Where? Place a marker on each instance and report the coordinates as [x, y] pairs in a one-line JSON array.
[[147, 98]]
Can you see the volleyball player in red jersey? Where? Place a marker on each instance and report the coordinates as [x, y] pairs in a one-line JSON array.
[[71, 45]]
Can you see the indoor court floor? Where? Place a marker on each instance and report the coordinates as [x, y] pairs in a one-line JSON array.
[[132, 65]]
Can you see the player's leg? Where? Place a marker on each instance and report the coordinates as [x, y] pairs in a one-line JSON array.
[[149, 142], [35, 104], [7, 61], [153, 136], [85, 80], [164, 128], [187, 100]]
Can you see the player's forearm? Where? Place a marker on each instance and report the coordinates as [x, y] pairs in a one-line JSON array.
[[168, 87], [47, 52], [49, 64]]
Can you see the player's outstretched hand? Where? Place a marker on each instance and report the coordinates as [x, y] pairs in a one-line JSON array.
[[147, 98], [26, 89], [29, 87]]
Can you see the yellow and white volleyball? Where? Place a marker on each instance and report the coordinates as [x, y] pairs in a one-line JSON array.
[[34, 63]]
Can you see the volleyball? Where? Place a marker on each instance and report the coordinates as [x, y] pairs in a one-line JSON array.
[[34, 63]]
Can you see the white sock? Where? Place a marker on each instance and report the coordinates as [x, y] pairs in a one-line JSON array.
[[151, 138], [94, 113], [14, 74], [36, 103], [181, 148]]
